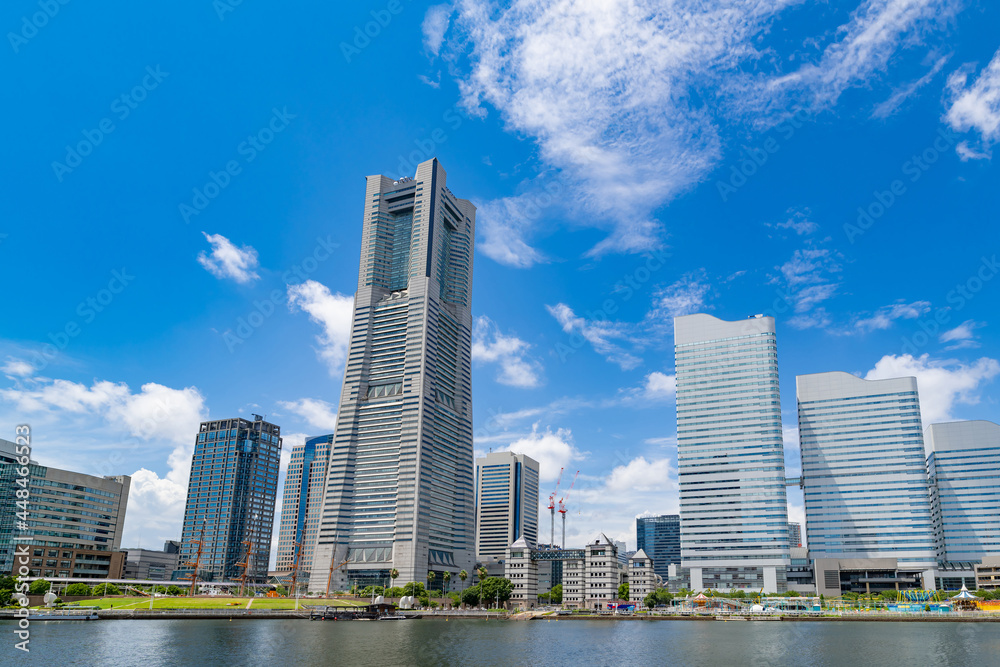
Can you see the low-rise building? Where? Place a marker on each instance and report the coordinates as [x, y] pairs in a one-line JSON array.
[[149, 564], [590, 576], [642, 579], [988, 574]]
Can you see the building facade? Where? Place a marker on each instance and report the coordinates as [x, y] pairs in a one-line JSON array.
[[152, 565], [730, 454], [962, 468], [642, 577], [506, 503], [76, 521], [230, 500], [660, 538], [988, 573], [864, 476], [302, 504], [400, 486], [794, 535], [590, 576]]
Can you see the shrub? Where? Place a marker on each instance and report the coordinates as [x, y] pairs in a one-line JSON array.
[[77, 589], [39, 587], [174, 590]]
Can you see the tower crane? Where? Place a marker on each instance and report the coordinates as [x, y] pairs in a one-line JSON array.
[[552, 510], [562, 507]]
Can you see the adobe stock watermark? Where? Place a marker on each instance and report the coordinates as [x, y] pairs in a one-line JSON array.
[[363, 35], [427, 147], [87, 310], [755, 157], [122, 106], [913, 169], [248, 150], [31, 25], [957, 298], [247, 325]]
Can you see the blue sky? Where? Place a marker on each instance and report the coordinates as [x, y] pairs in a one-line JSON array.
[[183, 198]]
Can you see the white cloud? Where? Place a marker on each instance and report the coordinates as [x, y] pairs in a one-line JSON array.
[[660, 386], [612, 92], [798, 222], [976, 106], [17, 367], [891, 105], [962, 336], [228, 261], [156, 416], [810, 278], [942, 384], [553, 451], [600, 333], [489, 345], [684, 297], [503, 226], [884, 317], [334, 312], [868, 43], [435, 26], [318, 414], [966, 152]]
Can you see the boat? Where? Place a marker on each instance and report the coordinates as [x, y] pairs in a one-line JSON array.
[[393, 617], [63, 617]]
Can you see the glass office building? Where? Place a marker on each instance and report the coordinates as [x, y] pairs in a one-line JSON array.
[[302, 504], [660, 538], [230, 500], [864, 475], [730, 454], [506, 503], [963, 465]]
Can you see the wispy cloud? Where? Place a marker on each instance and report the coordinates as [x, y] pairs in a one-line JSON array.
[[891, 105], [510, 353], [435, 26], [976, 106], [628, 128], [317, 413], [962, 336], [885, 316], [228, 261]]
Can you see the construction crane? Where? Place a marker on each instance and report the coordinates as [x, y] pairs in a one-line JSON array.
[[552, 510], [197, 561], [245, 563], [295, 565], [562, 507], [333, 569]]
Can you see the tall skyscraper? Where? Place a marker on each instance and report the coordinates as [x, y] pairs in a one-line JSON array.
[[302, 503], [660, 538], [399, 491], [963, 465], [864, 475], [230, 500], [730, 453], [506, 503]]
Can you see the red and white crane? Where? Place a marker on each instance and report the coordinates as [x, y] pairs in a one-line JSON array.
[[562, 507], [552, 510]]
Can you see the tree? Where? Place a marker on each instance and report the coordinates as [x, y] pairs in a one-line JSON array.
[[470, 596], [660, 596], [481, 571], [77, 589], [446, 578], [395, 592], [463, 575], [496, 589], [555, 595], [623, 591], [174, 590], [393, 573], [39, 587], [430, 578], [414, 588], [106, 589]]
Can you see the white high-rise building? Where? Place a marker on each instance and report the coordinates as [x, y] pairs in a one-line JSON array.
[[399, 491], [864, 475], [506, 503], [963, 465], [730, 454]]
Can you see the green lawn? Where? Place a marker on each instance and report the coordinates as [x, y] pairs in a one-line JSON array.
[[208, 603]]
